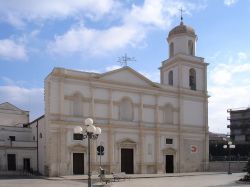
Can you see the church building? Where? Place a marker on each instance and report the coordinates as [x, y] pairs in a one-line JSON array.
[[147, 127]]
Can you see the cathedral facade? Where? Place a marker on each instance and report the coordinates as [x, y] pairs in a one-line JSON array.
[[147, 127]]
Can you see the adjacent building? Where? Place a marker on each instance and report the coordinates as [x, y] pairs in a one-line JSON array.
[[240, 131], [17, 145], [240, 125]]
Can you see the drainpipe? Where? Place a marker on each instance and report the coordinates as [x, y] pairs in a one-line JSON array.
[[37, 155]]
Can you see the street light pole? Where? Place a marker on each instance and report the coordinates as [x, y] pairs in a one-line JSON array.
[[89, 173], [91, 132], [229, 146]]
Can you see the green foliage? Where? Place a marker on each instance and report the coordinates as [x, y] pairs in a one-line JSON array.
[[247, 169]]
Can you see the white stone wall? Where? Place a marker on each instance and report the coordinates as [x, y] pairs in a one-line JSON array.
[[12, 116], [38, 128], [22, 147], [145, 133], [193, 113], [181, 44]]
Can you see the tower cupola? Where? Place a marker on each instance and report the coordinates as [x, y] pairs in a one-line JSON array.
[[182, 39]]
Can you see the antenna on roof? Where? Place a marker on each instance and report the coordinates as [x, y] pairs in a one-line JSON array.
[[123, 60]]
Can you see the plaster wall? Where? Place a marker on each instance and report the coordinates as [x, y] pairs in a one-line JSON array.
[[191, 109]]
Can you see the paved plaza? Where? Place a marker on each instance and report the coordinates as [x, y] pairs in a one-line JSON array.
[[188, 180]]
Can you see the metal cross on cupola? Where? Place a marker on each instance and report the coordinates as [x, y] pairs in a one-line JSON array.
[[125, 59], [181, 10]]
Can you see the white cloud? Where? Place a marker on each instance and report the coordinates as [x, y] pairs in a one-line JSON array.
[[229, 87], [134, 25], [150, 13], [92, 41], [221, 76], [153, 76], [18, 12], [230, 2], [224, 73], [242, 56], [27, 99], [10, 49], [224, 98]]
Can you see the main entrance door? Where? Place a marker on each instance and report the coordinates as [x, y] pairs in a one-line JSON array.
[[78, 163], [11, 162], [127, 161], [169, 164]]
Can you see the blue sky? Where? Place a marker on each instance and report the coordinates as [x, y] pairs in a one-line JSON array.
[[90, 35]]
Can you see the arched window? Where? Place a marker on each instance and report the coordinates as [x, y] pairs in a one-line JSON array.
[[190, 47], [126, 110], [192, 79], [168, 114], [77, 105], [171, 49], [170, 78]]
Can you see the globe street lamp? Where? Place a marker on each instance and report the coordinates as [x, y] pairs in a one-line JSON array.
[[229, 146], [90, 132]]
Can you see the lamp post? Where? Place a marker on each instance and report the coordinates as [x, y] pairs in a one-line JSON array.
[[229, 146], [90, 132]]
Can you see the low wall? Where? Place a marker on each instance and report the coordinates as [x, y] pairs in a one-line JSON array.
[[222, 166]]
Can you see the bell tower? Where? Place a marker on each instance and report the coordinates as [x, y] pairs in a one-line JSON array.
[[183, 69], [185, 75]]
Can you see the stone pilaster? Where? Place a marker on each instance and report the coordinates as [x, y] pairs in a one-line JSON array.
[[158, 165], [141, 139], [92, 102], [110, 134], [61, 97], [63, 157], [179, 156]]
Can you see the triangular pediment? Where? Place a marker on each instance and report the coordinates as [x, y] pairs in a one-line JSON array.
[[77, 147], [169, 150], [126, 143], [127, 75], [8, 106]]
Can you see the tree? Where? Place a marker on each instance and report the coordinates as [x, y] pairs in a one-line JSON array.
[[247, 169]]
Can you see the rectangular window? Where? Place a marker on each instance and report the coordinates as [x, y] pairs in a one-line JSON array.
[[12, 138], [169, 141], [78, 136]]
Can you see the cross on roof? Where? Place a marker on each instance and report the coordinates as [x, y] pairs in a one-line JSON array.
[[181, 10], [124, 60]]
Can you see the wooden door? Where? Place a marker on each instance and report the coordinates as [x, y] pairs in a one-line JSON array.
[[127, 161], [11, 162], [78, 163], [169, 164], [26, 164]]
